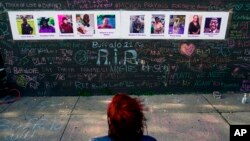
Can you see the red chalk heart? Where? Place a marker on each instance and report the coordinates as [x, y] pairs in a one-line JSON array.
[[187, 49]]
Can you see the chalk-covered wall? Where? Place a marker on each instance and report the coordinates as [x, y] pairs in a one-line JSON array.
[[71, 67]]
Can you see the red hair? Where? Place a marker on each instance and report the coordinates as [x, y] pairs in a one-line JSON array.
[[125, 118]]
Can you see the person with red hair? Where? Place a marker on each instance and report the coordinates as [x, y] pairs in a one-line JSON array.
[[126, 120]]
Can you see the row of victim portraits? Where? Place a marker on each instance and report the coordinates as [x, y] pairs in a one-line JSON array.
[[36, 25]]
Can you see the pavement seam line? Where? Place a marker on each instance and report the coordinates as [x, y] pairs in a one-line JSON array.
[[217, 110], [69, 118], [6, 108]]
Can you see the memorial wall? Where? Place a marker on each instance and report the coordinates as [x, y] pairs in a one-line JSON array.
[[95, 66]]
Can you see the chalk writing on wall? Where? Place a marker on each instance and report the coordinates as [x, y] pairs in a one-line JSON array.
[[46, 4], [89, 4], [89, 67], [4, 27]]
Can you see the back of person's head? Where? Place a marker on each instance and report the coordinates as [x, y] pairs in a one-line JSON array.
[[125, 118]]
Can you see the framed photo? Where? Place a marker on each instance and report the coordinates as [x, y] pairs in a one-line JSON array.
[[65, 23], [137, 23], [177, 24], [25, 24], [157, 24], [46, 25], [85, 24]]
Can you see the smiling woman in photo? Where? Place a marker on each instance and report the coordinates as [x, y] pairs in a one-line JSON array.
[[194, 25]]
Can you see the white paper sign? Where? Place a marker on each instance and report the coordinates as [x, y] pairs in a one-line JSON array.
[[56, 25]]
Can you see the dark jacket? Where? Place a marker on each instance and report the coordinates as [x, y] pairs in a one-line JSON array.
[[26, 29], [107, 138]]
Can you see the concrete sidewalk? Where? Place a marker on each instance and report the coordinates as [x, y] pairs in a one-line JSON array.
[[169, 117]]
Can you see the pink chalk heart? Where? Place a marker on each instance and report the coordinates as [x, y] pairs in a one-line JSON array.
[[187, 49]]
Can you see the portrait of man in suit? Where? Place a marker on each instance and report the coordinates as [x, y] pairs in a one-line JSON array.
[[212, 25]]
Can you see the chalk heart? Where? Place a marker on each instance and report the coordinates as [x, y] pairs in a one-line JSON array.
[[187, 49], [238, 6], [173, 67]]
